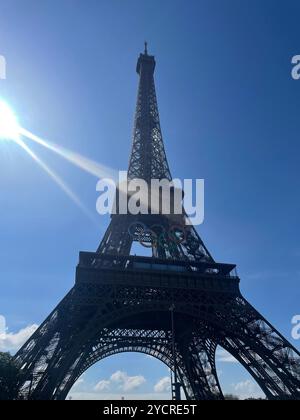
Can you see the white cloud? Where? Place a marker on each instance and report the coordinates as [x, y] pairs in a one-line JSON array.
[[133, 382], [2, 326], [122, 381], [102, 385], [247, 389], [225, 357], [13, 341], [118, 376], [79, 382], [127, 383], [163, 385]]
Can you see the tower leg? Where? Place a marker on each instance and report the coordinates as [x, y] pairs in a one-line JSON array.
[[263, 351], [199, 375]]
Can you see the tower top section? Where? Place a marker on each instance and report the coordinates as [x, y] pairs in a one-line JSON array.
[[148, 157], [145, 62]]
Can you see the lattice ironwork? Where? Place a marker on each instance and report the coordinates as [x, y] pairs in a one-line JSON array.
[[122, 303], [148, 157]]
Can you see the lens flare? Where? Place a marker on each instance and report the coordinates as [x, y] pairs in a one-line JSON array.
[[9, 126], [56, 178], [82, 162], [11, 130]]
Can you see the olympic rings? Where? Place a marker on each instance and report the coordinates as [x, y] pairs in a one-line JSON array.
[[176, 234]]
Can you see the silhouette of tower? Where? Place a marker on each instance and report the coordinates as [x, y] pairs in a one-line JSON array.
[[123, 303]]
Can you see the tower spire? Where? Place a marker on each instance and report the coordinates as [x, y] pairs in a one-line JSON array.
[[148, 158]]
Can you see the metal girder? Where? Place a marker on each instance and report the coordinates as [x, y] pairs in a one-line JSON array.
[[148, 158], [122, 303], [111, 315]]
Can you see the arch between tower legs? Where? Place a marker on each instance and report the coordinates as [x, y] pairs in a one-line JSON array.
[[83, 330], [195, 361]]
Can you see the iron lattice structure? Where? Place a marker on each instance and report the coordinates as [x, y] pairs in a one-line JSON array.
[[121, 303]]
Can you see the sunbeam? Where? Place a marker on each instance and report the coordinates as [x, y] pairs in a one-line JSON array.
[[9, 126], [88, 165], [10, 130], [56, 178]]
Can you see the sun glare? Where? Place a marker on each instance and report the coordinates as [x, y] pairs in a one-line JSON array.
[[10, 130], [9, 127]]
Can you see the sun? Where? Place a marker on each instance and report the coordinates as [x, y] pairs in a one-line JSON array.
[[9, 126]]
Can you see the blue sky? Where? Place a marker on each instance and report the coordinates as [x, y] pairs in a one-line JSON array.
[[229, 112]]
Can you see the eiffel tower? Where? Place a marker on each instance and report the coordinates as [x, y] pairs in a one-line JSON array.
[[177, 306]]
